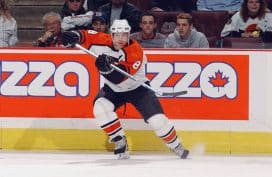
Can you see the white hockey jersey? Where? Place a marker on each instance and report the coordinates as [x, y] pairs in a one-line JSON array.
[[237, 24], [131, 57]]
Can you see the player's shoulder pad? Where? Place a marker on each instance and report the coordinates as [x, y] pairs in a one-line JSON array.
[[134, 50]]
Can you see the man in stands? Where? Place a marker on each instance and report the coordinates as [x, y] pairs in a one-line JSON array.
[[148, 37], [99, 24], [72, 8], [52, 31], [74, 17], [121, 9], [185, 35]]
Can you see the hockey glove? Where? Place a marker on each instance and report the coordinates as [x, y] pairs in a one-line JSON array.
[[70, 38], [103, 63]]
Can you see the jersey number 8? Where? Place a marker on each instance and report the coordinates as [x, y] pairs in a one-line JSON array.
[[136, 65]]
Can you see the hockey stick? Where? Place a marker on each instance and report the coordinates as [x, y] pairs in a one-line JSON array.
[[169, 94]]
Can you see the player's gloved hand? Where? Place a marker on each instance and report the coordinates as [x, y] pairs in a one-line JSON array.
[[103, 63], [70, 38]]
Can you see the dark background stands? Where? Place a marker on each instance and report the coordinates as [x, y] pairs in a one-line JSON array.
[[174, 5], [129, 12], [94, 5]]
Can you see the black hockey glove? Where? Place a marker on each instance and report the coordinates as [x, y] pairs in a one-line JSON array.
[[70, 38], [103, 63]]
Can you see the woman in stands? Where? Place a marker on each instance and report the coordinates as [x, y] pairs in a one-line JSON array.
[[8, 26], [251, 21]]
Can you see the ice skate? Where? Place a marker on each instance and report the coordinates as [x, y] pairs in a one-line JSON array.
[[181, 152], [121, 147]]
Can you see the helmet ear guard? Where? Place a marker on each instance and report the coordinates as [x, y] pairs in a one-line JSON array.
[[119, 26]]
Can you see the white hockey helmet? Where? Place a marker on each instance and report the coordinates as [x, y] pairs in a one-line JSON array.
[[120, 26]]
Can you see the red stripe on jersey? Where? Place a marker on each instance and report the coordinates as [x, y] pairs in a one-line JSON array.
[[95, 38], [113, 127], [170, 137]]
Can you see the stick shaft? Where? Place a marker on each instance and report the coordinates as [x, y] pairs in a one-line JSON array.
[[131, 76], [119, 70]]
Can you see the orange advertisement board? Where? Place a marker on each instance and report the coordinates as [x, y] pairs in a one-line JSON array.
[[63, 83], [47, 84], [217, 85]]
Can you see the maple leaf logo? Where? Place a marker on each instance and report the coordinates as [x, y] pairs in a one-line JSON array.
[[219, 81]]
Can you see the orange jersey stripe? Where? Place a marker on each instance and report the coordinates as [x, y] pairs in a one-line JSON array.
[[90, 37], [170, 137], [112, 127]]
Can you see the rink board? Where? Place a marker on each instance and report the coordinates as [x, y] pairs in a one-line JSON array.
[[139, 140], [226, 110]]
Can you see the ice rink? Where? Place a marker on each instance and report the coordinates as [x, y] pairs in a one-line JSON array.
[[104, 164]]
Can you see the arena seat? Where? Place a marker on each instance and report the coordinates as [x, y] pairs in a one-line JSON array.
[[243, 43], [213, 41], [166, 21], [211, 23]]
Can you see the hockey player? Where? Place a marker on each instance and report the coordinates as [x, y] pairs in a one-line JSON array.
[[116, 48]]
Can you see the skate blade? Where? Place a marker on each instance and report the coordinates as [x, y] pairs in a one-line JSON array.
[[185, 154], [122, 156]]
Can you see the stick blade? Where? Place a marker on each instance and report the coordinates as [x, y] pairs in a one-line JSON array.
[[174, 94]]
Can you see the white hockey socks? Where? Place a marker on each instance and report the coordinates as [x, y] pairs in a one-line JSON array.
[[107, 119], [165, 130]]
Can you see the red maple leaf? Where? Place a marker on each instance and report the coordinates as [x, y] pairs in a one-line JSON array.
[[218, 80]]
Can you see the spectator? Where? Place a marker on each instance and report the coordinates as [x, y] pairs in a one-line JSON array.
[[251, 21], [52, 31], [148, 37], [94, 5], [121, 9], [99, 24], [74, 16], [8, 26], [185, 36], [72, 8], [172, 5], [210, 5]]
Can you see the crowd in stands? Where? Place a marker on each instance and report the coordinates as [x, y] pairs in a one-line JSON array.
[[247, 19]]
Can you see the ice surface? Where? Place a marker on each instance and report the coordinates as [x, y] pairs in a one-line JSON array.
[[104, 164]]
